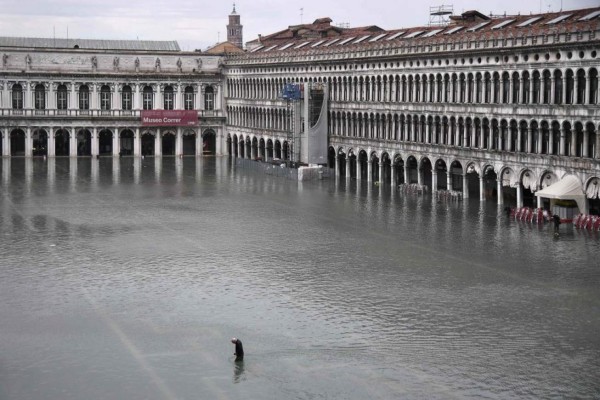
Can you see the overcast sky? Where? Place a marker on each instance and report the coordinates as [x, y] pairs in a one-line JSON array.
[[201, 23]]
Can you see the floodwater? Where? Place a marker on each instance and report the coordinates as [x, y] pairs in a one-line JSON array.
[[127, 278]]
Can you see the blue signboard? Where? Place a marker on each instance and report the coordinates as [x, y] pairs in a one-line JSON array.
[[291, 91]]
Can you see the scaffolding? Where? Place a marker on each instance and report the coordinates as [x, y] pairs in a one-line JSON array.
[[439, 15]]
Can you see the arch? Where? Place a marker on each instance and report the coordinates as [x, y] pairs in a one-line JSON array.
[[209, 142], [168, 143], [148, 143], [62, 140], [188, 142], [17, 143], [105, 142], [126, 141], [40, 142], [84, 142]]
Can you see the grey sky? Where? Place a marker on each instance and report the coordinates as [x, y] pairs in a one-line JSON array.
[[200, 23]]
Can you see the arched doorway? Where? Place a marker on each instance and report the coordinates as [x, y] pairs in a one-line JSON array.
[[351, 158], [490, 183], [441, 170], [126, 143], [84, 143], [387, 169], [331, 158], [285, 151], [189, 143], [426, 169], [278, 149], [17, 143], [261, 149], [40, 143], [209, 143], [412, 169], [229, 145], [269, 149], [398, 170], [361, 169], [105, 143], [374, 167], [510, 182], [254, 153], [148, 144], [61, 143], [168, 144], [456, 176]]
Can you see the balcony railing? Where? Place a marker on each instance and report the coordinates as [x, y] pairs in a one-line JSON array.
[[10, 112]]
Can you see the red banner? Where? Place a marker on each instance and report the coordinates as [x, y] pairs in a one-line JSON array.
[[169, 118]]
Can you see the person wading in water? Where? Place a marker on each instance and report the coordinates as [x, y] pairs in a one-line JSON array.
[[239, 349]]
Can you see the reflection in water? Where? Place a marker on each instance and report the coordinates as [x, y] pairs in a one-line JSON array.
[[345, 290], [238, 371]]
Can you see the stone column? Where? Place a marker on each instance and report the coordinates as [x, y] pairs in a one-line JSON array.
[[519, 137], [552, 90], [348, 166], [529, 140], [519, 195], [406, 176], [434, 180], [419, 176], [116, 147], [72, 142], [137, 97], [337, 165], [95, 141], [550, 141], [199, 150], [5, 141], [565, 93], [499, 190], [137, 143], [158, 144], [178, 99], [563, 143], [392, 176], [381, 170], [586, 99], [28, 142], [51, 96], [481, 189], [178, 142], [369, 171], [465, 187], [51, 142], [573, 151], [28, 96]]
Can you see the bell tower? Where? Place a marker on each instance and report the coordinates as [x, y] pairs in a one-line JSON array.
[[235, 29]]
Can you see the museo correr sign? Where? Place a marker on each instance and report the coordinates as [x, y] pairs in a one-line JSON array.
[[169, 118]]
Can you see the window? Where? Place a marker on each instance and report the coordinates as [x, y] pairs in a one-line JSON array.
[[40, 97], [17, 97], [126, 98], [168, 98], [105, 98], [61, 97], [209, 99], [189, 98], [84, 97], [148, 96]]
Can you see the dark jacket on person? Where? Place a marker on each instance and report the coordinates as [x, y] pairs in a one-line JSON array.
[[239, 350]]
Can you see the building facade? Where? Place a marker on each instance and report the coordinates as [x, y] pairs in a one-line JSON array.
[[491, 107], [497, 108], [74, 97]]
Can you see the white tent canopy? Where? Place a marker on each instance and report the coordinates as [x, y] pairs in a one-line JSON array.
[[568, 188]]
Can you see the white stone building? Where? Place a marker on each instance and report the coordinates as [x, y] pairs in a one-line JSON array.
[[76, 97], [492, 107]]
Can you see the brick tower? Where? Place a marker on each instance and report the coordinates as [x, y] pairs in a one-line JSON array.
[[235, 29]]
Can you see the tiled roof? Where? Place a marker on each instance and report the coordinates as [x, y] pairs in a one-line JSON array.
[[469, 25], [90, 44]]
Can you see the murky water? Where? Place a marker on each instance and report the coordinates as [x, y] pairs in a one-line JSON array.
[[125, 279]]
